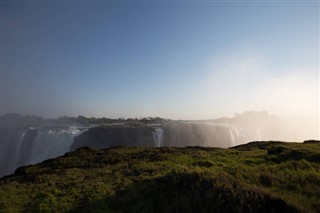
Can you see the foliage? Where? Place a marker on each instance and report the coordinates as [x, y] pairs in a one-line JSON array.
[[11, 120], [256, 177]]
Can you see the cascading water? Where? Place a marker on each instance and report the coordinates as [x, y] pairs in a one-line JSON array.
[[52, 143], [158, 137], [233, 140], [30, 146], [11, 142], [20, 146], [15, 151], [237, 135]]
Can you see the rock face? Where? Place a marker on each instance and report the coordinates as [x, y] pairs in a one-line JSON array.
[[177, 134], [191, 134], [32, 145], [29, 139], [102, 137], [23, 145]]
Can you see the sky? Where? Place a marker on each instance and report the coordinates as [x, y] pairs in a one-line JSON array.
[[172, 59]]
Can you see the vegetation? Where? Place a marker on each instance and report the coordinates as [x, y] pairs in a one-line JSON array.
[[256, 177], [17, 120]]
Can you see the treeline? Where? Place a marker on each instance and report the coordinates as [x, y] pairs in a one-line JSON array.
[[92, 120], [17, 120]]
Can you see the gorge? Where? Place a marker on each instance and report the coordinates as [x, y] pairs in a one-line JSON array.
[[31, 144]]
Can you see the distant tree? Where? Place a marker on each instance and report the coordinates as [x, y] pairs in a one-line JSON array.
[[66, 120], [81, 119], [105, 120]]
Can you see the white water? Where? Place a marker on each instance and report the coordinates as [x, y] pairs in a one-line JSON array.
[[16, 151], [48, 143], [233, 140], [10, 148], [158, 137], [52, 143], [238, 135], [17, 148]]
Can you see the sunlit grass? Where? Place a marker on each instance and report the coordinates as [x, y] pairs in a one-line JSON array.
[[282, 175]]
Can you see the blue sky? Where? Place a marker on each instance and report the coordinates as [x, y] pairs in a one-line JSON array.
[[173, 59]]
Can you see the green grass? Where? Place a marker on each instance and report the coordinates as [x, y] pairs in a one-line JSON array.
[[256, 177]]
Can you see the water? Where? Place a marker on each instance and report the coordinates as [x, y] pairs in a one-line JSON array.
[[30, 146], [11, 142], [158, 137], [238, 135], [20, 147], [52, 143]]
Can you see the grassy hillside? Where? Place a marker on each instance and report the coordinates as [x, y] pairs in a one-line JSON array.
[[256, 177]]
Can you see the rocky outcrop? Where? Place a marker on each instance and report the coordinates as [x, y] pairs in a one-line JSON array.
[[109, 136], [175, 134], [196, 134]]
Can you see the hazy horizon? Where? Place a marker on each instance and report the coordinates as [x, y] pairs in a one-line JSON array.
[[183, 60]]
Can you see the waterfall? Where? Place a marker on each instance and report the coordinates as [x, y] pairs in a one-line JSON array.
[[234, 135], [52, 143], [238, 135], [11, 142], [233, 140], [158, 137], [16, 150], [29, 146]]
